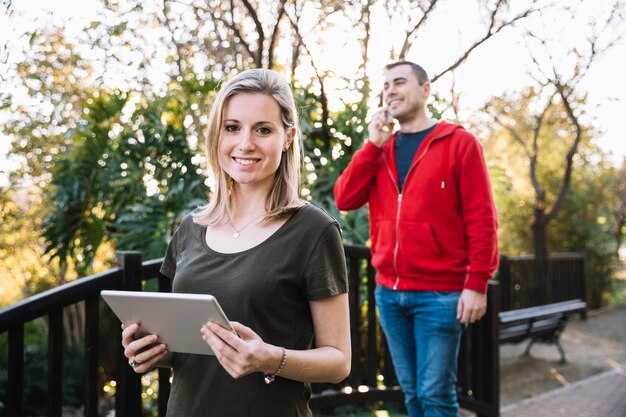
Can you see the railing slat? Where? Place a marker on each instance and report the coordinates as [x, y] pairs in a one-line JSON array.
[[355, 319], [165, 285], [373, 355], [14, 400], [128, 391], [92, 330], [55, 363]]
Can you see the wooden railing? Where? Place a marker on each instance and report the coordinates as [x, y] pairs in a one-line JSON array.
[[520, 289], [372, 378]]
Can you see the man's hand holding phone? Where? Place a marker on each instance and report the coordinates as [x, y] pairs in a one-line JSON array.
[[381, 127]]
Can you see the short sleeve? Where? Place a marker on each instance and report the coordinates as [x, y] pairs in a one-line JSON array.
[[168, 267], [325, 273]]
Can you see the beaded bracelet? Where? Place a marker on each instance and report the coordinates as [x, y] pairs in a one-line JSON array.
[[269, 378]]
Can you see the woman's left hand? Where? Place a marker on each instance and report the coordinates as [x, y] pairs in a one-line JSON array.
[[242, 353]]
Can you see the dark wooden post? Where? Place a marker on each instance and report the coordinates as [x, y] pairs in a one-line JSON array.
[[491, 360], [504, 279], [128, 390], [165, 285], [92, 327], [15, 399], [55, 363]]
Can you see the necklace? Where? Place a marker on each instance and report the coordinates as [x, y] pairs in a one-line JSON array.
[[238, 231]]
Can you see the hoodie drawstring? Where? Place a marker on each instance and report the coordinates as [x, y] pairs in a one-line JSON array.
[[444, 161]]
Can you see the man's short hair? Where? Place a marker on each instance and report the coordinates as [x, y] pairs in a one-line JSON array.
[[420, 73]]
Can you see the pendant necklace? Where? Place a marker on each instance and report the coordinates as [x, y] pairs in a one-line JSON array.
[[238, 231]]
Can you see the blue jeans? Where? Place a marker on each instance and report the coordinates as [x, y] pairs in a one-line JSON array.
[[424, 337]]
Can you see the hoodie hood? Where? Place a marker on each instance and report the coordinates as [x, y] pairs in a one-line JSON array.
[[443, 132]]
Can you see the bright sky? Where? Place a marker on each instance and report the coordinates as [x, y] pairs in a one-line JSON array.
[[501, 64]]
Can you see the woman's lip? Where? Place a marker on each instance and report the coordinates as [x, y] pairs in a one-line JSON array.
[[246, 161]]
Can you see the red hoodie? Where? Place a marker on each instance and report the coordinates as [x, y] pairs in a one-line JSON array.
[[439, 234]]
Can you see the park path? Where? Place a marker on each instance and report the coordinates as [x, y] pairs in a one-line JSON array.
[[603, 395]]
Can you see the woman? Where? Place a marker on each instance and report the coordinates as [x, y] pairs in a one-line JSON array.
[[274, 262]]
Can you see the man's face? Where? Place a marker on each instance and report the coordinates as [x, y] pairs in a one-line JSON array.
[[402, 93]]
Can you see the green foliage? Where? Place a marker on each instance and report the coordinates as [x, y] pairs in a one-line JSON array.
[[584, 225], [75, 227], [328, 148], [176, 185], [128, 182], [57, 80]]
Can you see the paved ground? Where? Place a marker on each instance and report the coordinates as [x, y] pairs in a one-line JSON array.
[[591, 384], [603, 395], [592, 347]]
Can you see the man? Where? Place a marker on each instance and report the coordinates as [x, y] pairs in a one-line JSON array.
[[433, 232]]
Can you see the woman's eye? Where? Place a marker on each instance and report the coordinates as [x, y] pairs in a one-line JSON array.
[[230, 128], [265, 130]]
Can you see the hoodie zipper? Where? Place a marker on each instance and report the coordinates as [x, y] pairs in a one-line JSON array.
[[397, 225]]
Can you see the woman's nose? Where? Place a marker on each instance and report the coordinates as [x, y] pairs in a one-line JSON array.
[[246, 142]]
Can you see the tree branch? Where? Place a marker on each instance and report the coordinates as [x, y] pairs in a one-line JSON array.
[[235, 28], [540, 192], [259, 28], [274, 37], [408, 42], [168, 24], [490, 33], [570, 154], [320, 78]]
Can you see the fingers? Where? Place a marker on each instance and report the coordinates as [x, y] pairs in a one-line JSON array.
[[472, 306], [236, 351], [243, 331], [380, 127], [219, 337], [382, 120], [470, 314], [144, 352], [147, 360]]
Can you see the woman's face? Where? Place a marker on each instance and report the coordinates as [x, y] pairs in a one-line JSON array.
[[252, 139]]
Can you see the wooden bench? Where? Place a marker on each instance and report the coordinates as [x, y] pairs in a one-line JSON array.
[[543, 324]]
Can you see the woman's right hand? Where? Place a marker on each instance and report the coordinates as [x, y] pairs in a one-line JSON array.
[[143, 354]]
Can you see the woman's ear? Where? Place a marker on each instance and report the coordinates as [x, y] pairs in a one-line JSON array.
[[291, 134]]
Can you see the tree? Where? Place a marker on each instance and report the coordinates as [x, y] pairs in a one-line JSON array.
[[559, 103], [619, 208], [583, 221], [78, 145], [55, 79]]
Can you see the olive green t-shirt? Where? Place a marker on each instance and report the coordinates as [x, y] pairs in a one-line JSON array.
[[267, 288]]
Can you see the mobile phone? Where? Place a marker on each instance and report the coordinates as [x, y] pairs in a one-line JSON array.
[[388, 121]]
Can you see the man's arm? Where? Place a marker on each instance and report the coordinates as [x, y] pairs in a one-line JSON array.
[[480, 218], [352, 186]]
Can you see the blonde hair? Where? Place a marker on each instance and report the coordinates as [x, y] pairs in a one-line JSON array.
[[283, 196]]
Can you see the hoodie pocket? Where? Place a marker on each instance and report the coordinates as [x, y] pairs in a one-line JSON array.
[[418, 241], [383, 244]]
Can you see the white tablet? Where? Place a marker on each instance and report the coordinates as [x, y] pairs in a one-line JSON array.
[[175, 317]]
